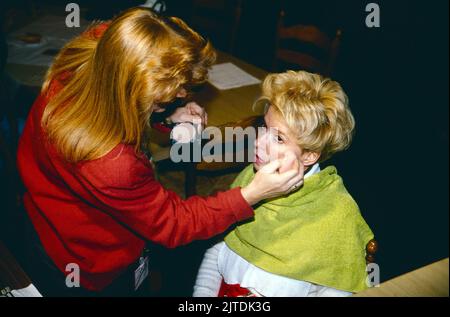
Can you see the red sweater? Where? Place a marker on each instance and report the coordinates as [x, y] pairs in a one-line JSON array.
[[99, 213]]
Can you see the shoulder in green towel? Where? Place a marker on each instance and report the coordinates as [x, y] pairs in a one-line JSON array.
[[316, 234]]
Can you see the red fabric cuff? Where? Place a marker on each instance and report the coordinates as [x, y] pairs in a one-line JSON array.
[[240, 207], [161, 127]]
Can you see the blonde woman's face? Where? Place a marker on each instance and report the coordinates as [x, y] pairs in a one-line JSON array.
[[275, 141]]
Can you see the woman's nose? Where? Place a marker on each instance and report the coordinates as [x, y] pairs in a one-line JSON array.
[[261, 140]]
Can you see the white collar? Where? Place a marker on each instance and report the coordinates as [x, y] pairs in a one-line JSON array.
[[314, 170]]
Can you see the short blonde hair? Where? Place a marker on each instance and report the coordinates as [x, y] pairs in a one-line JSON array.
[[314, 107]]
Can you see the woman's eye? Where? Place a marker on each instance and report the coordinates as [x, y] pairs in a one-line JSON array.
[[277, 138]]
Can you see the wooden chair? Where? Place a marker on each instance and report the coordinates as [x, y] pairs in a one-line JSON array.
[[305, 35], [218, 20], [371, 249]]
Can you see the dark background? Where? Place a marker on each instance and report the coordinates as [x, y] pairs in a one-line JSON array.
[[396, 77]]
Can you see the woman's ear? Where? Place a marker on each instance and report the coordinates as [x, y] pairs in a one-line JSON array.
[[310, 158]]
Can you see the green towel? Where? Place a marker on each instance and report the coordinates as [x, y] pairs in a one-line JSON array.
[[316, 234]]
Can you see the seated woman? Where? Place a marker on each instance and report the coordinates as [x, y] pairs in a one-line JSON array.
[[312, 241]]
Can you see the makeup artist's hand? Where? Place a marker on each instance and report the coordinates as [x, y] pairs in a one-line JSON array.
[[269, 182], [192, 113]]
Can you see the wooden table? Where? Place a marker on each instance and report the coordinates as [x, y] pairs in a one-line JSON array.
[[428, 281], [28, 64], [224, 106]]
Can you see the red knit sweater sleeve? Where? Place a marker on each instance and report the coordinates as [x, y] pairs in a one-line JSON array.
[[123, 185]]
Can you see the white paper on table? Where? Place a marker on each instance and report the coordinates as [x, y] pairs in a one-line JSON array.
[[228, 76], [29, 291]]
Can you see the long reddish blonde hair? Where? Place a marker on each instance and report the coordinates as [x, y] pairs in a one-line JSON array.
[[141, 60]]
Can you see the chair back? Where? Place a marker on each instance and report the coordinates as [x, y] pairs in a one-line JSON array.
[[300, 37], [218, 20], [371, 249]]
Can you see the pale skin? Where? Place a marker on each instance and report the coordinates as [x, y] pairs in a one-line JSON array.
[[274, 178], [278, 142]]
